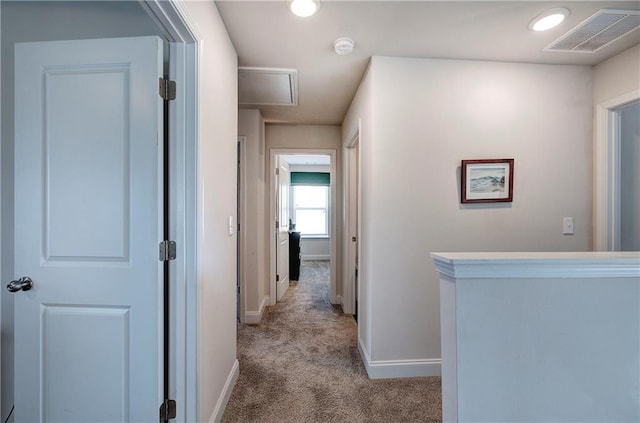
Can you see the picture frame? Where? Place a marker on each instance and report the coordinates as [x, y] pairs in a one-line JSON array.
[[487, 181]]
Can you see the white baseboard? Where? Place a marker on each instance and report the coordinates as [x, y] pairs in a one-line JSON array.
[[390, 369], [255, 317], [323, 257], [223, 399], [338, 299]]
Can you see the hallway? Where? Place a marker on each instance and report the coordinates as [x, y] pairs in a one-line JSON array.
[[301, 364]]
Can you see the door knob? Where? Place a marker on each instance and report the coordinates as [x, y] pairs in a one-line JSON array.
[[23, 284]]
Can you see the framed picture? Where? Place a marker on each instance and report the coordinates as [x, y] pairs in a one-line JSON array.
[[487, 181]]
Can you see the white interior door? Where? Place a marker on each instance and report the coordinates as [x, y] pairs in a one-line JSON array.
[[88, 219], [283, 183]]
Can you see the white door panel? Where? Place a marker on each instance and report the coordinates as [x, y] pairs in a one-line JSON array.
[[88, 339], [284, 183]]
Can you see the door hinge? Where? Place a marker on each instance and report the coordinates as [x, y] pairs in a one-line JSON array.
[[167, 89], [167, 410], [277, 171], [277, 278], [167, 250]]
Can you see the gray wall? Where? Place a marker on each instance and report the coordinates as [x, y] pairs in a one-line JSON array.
[[630, 177], [44, 21]]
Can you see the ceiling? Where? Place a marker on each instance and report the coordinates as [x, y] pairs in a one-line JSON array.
[[266, 34]]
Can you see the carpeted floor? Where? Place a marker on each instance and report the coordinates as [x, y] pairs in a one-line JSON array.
[[302, 364]]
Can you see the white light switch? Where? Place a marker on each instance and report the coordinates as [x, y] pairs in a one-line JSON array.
[[567, 226], [231, 228]]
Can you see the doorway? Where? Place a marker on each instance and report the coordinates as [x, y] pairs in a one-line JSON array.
[[314, 217], [629, 178], [167, 22], [352, 232], [614, 173]]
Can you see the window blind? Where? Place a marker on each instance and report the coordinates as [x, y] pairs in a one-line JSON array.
[[310, 178]]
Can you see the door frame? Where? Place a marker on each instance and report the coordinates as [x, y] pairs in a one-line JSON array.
[[271, 236], [351, 184], [606, 180], [177, 27], [242, 224]]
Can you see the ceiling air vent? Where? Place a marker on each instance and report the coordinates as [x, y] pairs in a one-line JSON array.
[[267, 87], [598, 31]]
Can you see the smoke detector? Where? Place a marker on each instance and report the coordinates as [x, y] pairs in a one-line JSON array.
[[343, 46]]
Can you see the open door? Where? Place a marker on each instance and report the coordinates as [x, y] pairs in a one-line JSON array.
[[88, 221], [283, 183], [352, 235]]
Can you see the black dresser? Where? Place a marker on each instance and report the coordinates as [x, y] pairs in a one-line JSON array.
[[294, 256]]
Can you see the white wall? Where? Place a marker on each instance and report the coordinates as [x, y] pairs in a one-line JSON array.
[[617, 76], [315, 248], [311, 137], [425, 117], [630, 177], [217, 141], [255, 285], [44, 21]]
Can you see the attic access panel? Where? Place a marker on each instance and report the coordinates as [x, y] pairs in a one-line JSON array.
[[267, 87], [598, 31]]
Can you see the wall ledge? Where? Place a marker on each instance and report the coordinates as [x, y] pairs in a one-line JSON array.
[[537, 265]]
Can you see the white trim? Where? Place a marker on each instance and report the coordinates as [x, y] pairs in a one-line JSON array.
[[390, 369], [273, 153], [218, 411], [242, 221], [605, 164], [255, 317], [537, 265], [339, 299], [178, 27], [323, 257], [350, 179]]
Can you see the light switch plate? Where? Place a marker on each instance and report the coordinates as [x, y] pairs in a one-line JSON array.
[[231, 228], [567, 226]]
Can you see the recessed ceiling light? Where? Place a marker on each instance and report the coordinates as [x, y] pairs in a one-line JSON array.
[[549, 19], [304, 8]]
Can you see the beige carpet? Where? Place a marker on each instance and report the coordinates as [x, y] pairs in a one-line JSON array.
[[301, 364]]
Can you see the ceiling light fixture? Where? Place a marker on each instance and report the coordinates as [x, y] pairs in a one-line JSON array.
[[549, 19], [343, 46], [304, 8]]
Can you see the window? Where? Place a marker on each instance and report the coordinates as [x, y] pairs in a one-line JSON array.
[[311, 209]]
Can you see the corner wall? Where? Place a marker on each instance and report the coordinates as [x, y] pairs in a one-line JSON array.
[[254, 287], [217, 366], [617, 76], [424, 117]]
